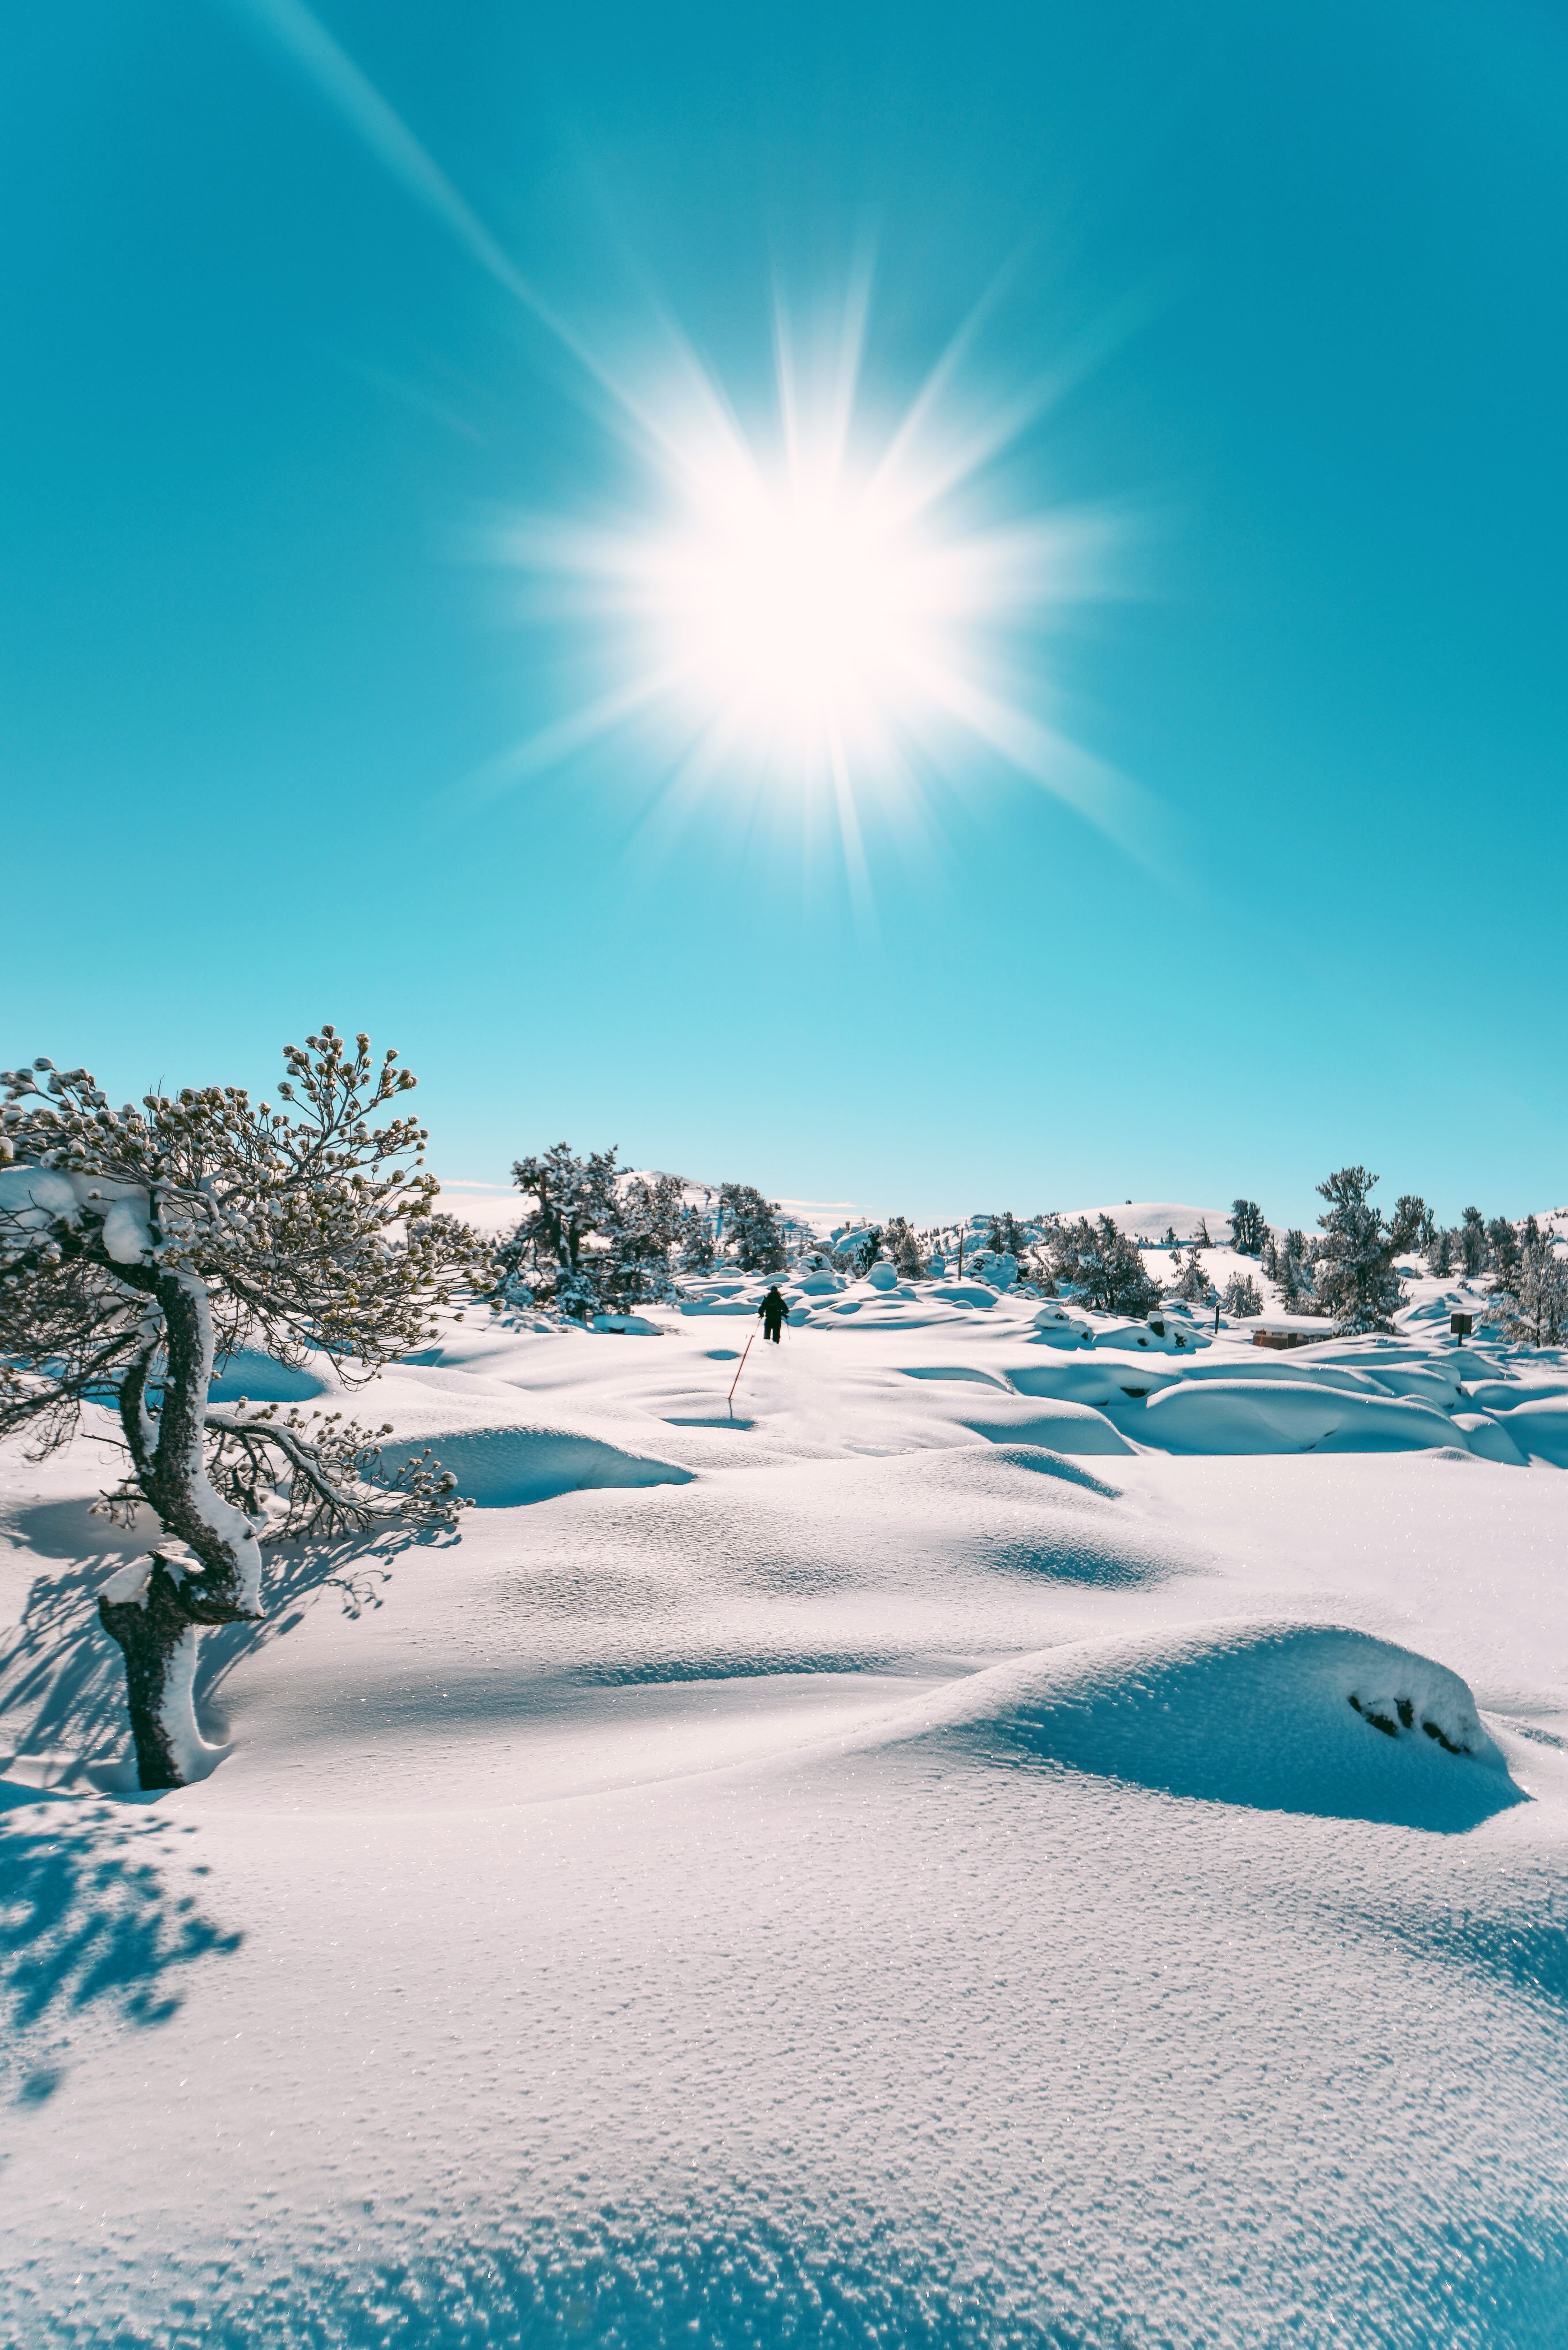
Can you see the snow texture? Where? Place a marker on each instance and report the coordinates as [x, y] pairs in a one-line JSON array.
[[1003, 1832]]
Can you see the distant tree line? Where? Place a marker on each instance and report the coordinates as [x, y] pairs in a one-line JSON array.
[[595, 1238]]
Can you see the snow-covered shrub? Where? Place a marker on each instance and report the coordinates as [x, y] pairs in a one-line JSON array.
[[1100, 1264], [139, 1247], [1242, 1298], [1193, 1286]]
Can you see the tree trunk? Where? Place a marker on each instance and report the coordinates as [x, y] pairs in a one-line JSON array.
[[157, 1630], [158, 1625]]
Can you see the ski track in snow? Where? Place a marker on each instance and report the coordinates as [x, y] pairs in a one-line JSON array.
[[899, 1864]]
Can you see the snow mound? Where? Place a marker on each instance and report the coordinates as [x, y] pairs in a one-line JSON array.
[[1272, 1415], [1278, 1717], [1056, 1427], [503, 1468]]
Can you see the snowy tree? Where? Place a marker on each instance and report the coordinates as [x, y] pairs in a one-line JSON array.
[[1426, 1236], [1195, 1288], [1473, 1241], [751, 1225], [902, 1243], [1440, 1252], [1502, 1242], [1170, 1241], [1202, 1239], [1355, 1272], [695, 1240], [138, 1248], [1007, 1237], [1411, 1215], [1291, 1271], [1242, 1298], [1534, 1305], [1098, 1263], [574, 1201], [1248, 1230], [633, 1268]]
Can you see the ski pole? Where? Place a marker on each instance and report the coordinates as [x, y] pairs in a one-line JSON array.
[[740, 1367]]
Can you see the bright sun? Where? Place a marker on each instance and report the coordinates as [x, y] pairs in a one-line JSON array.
[[813, 601], [796, 610]]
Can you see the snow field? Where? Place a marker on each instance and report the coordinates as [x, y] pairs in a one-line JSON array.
[[900, 1865]]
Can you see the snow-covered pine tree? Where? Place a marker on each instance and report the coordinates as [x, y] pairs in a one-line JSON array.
[[1502, 1242], [1356, 1280], [635, 1268], [1412, 1213], [1473, 1241], [696, 1241], [1534, 1305], [902, 1243], [1291, 1273], [1195, 1288], [574, 1201], [751, 1224], [1242, 1298], [1248, 1230], [1099, 1263], [1427, 1236], [139, 1247], [1202, 1237], [1440, 1252]]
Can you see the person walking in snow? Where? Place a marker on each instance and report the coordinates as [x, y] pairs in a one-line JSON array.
[[772, 1310]]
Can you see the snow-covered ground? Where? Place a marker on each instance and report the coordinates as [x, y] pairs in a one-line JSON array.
[[1011, 1830]]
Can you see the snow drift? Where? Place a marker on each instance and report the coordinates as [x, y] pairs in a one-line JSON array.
[[1283, 1718]]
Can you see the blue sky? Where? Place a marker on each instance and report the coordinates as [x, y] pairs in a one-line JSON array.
[[269, 395]]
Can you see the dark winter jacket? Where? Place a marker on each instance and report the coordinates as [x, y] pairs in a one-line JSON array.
[[773, 1309]]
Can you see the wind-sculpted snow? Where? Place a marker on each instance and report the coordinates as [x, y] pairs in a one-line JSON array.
[[503, 1468], [947, 1830], [1283, 1718]]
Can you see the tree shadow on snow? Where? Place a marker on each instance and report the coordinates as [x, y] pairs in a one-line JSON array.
[[63, 1677], [88, 1918]]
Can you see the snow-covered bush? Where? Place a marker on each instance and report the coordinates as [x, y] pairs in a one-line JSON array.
[[1242, 1298], [1193, 1285], [902, 1243], [139, 1247], [1100, 1264]]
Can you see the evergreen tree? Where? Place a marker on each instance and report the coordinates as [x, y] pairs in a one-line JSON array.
[[1195, 1288], [634, 1270], [1354, 1275], [1410, 1215], [1170, 1241], [903, 1245], [1504, 1244], [140, 1247], [1248, 1230], [574, 1201], [1440, 1254], [1426, 1238], [1242, 1298], [1473, 1241], [751, 1225], [1534, 1306], [696, 1241], [1099, 1263]]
